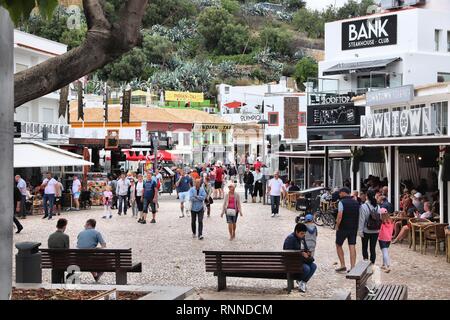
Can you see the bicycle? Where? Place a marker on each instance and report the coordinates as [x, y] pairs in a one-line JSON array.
[[325, 218]]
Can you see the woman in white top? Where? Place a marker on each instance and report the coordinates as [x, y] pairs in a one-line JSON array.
[[258, 186], [140, 194]]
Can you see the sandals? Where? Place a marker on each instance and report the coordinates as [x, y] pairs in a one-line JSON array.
[[343, 269]]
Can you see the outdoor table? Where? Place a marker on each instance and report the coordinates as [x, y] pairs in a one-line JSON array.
[[420, 226], [447, 244], [292, 197]]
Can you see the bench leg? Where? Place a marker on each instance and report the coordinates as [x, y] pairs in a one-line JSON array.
[[121, 277], [58, 276], [221, 282], [290, 283]]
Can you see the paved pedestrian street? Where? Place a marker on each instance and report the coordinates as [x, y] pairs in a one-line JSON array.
[[170, 256]]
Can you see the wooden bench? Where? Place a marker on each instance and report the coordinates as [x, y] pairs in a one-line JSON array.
[[362, 272], [90, 260], [281, 265]]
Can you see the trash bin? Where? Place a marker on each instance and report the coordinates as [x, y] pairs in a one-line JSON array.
[[28, 263]]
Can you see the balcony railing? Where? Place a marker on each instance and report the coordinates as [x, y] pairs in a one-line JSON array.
[[36, 128]]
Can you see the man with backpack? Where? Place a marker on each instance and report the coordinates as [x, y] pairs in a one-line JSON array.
[[369, 225], [249, 180]]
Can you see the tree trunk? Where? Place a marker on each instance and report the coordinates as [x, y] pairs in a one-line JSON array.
[[105, 42], [6, 157]]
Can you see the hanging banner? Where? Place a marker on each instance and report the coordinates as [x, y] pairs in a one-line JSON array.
[[63, 103], [126, 106], [291, 117], [184, 96], [80, 100]]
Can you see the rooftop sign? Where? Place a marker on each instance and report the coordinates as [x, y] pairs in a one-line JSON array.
[[396, 95]]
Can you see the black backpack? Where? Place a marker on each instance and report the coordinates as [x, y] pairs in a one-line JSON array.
[[374, 221]]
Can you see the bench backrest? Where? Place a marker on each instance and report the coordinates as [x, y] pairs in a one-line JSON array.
[[86, 259], [256, 262]]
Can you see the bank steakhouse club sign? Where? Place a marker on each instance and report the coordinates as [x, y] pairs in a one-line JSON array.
[[371, 32]]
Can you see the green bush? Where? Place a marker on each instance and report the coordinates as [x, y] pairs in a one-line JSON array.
[[304, 69], [211, 23], [234, 39], [278, 40]]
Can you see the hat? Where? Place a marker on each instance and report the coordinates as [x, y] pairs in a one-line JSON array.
[[308, 218], [345, 190], [383, 210], [418, 195]]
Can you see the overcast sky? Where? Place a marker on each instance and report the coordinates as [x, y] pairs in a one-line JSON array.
[[320, 4]]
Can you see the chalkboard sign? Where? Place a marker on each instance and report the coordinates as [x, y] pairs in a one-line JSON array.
[[333, 115]]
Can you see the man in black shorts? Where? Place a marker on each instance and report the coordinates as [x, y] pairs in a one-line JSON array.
[[347, 222]]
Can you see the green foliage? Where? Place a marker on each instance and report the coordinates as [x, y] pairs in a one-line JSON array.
[[211, 23], [278, 40], [234, 39], [232, 6], [73, 37], [243, 59], [304, 69], [131, 65], [157, 49], [21, 9], [168, 12], [309, 22]]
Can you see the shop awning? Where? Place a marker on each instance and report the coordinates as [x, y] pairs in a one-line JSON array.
[[384, 142], [359, 66], [234, 104], [345, 153], [35, 154]]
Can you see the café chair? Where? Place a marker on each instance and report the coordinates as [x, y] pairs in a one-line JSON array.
[[435, 233]]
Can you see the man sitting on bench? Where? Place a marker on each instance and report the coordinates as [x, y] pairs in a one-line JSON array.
[[90, 238], [296, 241]]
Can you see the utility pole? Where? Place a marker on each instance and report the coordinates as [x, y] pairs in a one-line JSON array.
[[7, 147]]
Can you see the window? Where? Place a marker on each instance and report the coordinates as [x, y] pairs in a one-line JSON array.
[[443, 77], [186, 139], [227, 90], [437, 39], [372, 81], [441, 109], [224, 138], [302, 119], [273, 118], [175, 138]]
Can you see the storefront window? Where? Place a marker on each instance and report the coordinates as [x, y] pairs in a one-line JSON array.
[[373, 81], [316, 171], [441, 109]]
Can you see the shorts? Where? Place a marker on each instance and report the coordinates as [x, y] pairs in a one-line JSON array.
[[218, 185], [150, 203], [58, 200], [232, 219], [76, 195], [183, 196], [384, 244], [342, 235]]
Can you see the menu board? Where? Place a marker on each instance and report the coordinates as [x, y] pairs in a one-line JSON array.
[[333, 115]]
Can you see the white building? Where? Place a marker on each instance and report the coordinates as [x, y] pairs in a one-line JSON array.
[[30, 50], [408, 45]]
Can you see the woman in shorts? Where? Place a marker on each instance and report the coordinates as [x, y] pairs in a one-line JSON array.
[[231, 208]]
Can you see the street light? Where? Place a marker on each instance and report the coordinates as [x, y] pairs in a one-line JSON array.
[[264, 122]]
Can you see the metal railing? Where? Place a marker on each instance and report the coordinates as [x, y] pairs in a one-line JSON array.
[[36, 128]]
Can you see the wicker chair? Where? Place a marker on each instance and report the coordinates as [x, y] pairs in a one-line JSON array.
[[416, 231], [435, 233]]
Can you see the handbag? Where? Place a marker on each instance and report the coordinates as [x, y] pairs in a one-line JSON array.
[[231, 212]]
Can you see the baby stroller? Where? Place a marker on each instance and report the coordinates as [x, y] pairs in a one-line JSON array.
[[85, 200]]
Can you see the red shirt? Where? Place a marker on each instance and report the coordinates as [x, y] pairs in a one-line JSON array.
[[219, 174], [258, 165]]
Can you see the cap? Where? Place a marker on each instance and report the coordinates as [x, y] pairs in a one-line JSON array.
[[418, 195], [383, 210], [308, 218], [345, 190]]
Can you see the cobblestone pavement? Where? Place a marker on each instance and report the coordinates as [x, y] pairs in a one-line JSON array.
[[171, 257]]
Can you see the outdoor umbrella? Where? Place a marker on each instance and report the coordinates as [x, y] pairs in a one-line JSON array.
[[235, 104]]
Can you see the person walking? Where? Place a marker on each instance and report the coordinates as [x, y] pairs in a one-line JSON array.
[[107, 202], [90, 238], [49, 195], [219, 180], [22, 186], [275, 188], [311, 233], [347, 223], [385, 238], [17, 208], [150, 199], [183, 185], [231, 208], [209, 190], [59, 240], [249, 180], [133, 205], [76, 192], [296, 241], [241, 172], [122, 192], [140, 195], [59, 188], [369, 226], [113, 185], [197, 196], [258, 185]]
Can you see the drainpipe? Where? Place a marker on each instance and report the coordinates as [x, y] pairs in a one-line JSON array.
[[6, 156]]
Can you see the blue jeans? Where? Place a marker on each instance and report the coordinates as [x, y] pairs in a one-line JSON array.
[[308, 271], [123, 203], [50, 198], [275, 203]]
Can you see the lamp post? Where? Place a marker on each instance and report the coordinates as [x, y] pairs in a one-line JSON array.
[[263, 123]]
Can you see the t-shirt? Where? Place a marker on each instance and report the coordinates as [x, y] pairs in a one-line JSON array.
[[22, 185], [50, 188], [258, 165], [219, 174], [76, 185], [185, 184], [107, 197], [140, 188], [276, 185], [58, 240], [89, 239], [149, 189]]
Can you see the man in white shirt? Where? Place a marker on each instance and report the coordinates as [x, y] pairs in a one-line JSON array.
[[123, 186], [49, 195], [427, 214], [76, 192], [22, 186], [275, 187]]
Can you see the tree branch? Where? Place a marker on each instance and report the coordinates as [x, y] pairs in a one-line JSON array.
[[104, 43]]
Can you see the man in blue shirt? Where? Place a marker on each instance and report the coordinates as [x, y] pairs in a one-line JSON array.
[[183, 185], [150, 198], [197, 196], [297, 241], [90, 238]]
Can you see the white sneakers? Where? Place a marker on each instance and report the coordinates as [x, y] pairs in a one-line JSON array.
[[301, 286], [273, 215]]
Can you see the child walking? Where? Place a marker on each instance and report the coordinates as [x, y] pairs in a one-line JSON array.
[[385, 238], [107, 202], [311, 234]]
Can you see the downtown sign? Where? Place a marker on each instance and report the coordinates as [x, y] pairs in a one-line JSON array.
[[408, 122], [370, 32]]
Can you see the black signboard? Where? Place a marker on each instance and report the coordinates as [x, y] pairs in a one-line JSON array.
[[371, 32], [17, 129], [126, 106], [333, 115]]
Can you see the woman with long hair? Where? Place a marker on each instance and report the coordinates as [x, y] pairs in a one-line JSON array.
[[368, 230]]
